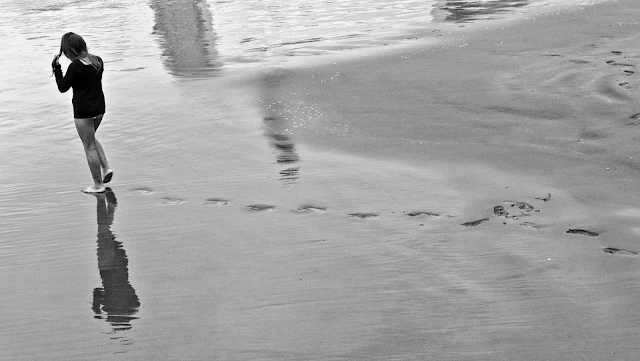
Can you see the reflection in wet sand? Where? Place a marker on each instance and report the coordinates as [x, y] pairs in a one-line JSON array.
[[116, 300], [282, 142], [187, 37], [465, 11], [277, 127]]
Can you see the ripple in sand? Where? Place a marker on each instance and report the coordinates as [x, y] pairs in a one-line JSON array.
[[635, 119], [618, 251], [172, 200], [362, 215], [475, 223], [259, 208], [583, 232], [216, 201], [143, 190], [308, 208]]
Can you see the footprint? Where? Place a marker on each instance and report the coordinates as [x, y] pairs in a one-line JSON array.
[[613, 62], [260, 208], [172, 200], [617, 52], [500, 211], [545, 199], [523, 207], [582, 232], [533, 225], [143, 190], [475, 223], [622, 252], [575, 61], [307, 208], [422, 213], [216, 201], [629, 72], [362, 215]]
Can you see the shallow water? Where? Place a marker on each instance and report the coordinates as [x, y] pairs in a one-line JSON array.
[[223, 238]]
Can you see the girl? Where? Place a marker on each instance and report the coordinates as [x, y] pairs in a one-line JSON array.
[[84, 75]]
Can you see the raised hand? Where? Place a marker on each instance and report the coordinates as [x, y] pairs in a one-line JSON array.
[[56, 60]]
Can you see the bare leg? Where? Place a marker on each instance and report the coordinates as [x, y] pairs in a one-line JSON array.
[[107, 172], [86, 131], [103, 162]]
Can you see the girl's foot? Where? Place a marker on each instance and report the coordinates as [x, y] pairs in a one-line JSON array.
[[108, 174], [94, 189]]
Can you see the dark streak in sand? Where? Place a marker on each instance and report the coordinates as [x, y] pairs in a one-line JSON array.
[[362, 215], [576, 61], [475, 223], [545, 199], [613, 62], [622, 252], [422, 213], [582, 232], [635, 119]]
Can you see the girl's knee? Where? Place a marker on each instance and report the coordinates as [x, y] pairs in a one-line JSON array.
[[88, 143]]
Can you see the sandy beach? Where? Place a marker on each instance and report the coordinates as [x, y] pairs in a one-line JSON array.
[[469, 195], [538, 118]]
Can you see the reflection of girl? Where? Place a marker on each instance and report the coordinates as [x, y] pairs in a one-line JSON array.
[[84, 75], [117, 298]]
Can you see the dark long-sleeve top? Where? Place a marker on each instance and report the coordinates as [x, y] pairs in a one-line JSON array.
[[86, 81]]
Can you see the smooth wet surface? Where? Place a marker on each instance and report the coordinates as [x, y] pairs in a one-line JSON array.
[[226, 237]]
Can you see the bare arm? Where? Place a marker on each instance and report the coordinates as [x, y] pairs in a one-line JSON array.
[[64, 82]]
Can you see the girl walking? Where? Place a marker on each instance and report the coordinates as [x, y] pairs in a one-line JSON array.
[[84, 75]]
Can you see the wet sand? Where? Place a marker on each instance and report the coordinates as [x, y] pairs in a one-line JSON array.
[[469, 200], [521, 143]]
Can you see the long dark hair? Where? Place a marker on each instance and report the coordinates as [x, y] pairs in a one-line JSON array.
[[73, 47]]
